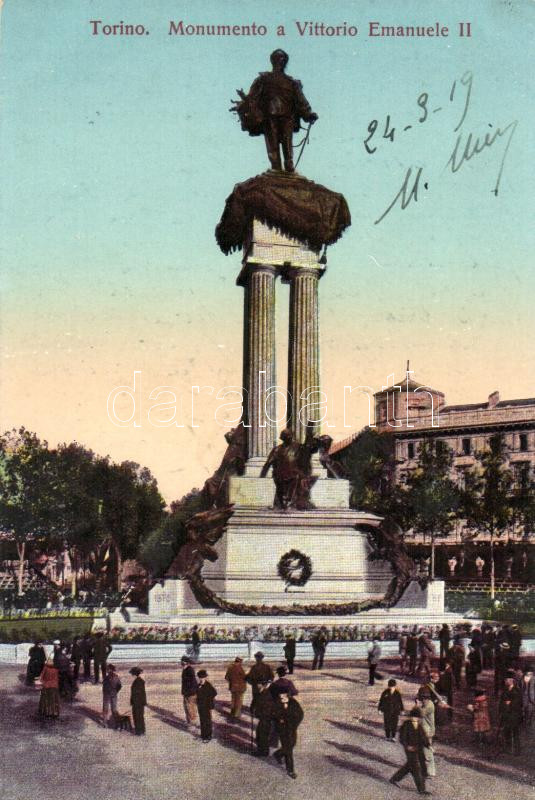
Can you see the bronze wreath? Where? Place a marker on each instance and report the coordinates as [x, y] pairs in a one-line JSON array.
[[286, 568]]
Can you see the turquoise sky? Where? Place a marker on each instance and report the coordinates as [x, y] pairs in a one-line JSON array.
[[117, 154]]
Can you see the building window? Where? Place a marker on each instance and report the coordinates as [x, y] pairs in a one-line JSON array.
[[522, 474], [410, 450], [467, 447], [523, 442]]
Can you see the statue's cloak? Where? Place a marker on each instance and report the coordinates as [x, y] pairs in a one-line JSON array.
[[287, 202]]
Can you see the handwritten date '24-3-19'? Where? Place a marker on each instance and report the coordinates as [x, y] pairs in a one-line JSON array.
[[422, 102]]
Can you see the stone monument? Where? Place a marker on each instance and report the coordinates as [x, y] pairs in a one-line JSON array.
[[287, 545]]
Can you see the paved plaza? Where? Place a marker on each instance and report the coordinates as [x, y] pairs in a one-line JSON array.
[[341, 752]]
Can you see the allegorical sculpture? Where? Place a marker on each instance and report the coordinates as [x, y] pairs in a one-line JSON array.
[[275, 107], [292, 471]]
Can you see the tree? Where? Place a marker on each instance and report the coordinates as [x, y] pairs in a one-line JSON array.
[[524, 505], [487, 497], [26, 487], [432, 497], [74, 521], [368, 462], [130, 508]]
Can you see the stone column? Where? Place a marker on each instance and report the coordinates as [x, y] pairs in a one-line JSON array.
[[259, 373], [303, 355]]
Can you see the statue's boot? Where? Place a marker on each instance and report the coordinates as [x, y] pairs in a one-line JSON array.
[[289, 166]]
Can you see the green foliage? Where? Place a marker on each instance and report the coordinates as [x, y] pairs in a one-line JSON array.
[[431, 497], [368, 462]]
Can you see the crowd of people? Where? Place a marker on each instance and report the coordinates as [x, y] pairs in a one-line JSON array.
[[459, 663]]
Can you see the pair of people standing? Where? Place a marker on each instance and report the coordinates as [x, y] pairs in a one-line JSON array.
[[198, 697]]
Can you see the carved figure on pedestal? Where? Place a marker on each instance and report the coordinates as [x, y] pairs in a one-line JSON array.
[[292, 471], [274, 106], [215, 488]]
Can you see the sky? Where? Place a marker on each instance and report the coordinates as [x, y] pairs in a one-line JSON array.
[[117, 155]]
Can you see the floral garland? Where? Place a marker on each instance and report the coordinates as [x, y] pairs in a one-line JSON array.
[[295, 568]]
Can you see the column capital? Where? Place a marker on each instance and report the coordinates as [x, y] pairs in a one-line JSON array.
[[290, 272], [250, 267]]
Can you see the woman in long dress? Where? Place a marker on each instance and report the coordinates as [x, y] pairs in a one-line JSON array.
[[49, 699]]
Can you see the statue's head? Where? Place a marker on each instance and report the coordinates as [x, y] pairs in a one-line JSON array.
[[279, 58], [286, 435]]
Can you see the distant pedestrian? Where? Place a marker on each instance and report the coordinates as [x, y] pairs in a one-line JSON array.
[[195, 644], [374, 656], [515, 641], [427, 711], [502, 662], [111, 686], [528, 695], [426, 650], [101, 650], [412, 651], [391, 706], [445, 686], [260, 671], [36, 662], [413, 739], [289, 652], [444, 637], [481, 717], [49, 698], [319, 646], [237, 684], [189, 691], [288, 715], [138, 701], [86, 648], [206, 695], [76, 657], [457, 658], [402, 650]]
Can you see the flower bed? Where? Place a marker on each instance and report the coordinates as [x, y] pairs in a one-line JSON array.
[[25, 625]]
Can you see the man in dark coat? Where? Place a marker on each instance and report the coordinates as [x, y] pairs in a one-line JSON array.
[[444, 636], [76, 656], [289, 653], [456, 657], [36, 662], [264, 711], [391, 706], [282, 685], [260, 671], [319, 646], [206, 695], [515, 641], [445, 686], [413, 739], [86, 649], [510, 715], [189, 690], [412, 651], [138, 701], [288, 715], [502, 662], [101, 650]]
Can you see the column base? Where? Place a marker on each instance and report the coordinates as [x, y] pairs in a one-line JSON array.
[[254, 466]]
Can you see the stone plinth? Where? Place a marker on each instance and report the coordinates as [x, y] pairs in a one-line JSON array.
[[170, 598], [253, 492], [255, 540]]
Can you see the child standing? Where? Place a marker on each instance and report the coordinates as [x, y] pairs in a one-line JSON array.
[[481, 718], [206, 695]]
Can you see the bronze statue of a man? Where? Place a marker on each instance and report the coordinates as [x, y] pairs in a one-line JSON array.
[[291, 462], [275, 106]]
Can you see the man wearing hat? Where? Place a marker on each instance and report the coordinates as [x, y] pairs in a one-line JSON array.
[[264, 711], [502, 662], [206, 695], [237, 684], [138, 701], [413, 739], [510, 715], [189, 690], [288, 715], [282, 685], [289, 652], [391, 706], [260, 671], [528, 694]]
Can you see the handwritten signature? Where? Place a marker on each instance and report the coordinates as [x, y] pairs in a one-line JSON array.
[[466, 147]]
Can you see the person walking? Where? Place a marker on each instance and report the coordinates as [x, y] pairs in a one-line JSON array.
[[36, 662], [289, 652], [189, 691], [101, 650], [288, 715], [528, 695], [427, 711], [237, 684], [457, 658], [76, 657], [138, 701], [319, 646], [445, 687], [111, 686], [260, 671], [391, 706], [402, 650], [426, 649], [49, 697], [374, 656], [264, 712], [206, 695], [413, 739], [282, 684]]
